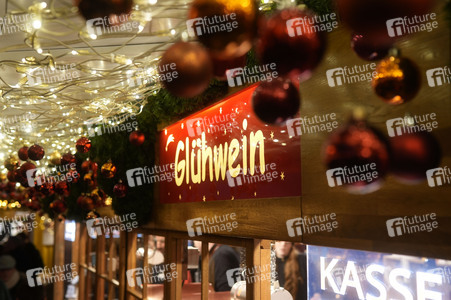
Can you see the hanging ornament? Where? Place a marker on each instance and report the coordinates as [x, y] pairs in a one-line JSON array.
[[99, 197], [370, 17], [11, 176], [357, 149], [55, 158], [367, 49], [83, 145], [46, 188], [68, 159], [120, 190], [412, 154], [221, 65], [276, 101], [58, 206], [227, 28], [137, 138], [295, 55], [11, 163], [23, 153], [89, 165], [397, 80], [36, 152], [192, 65], [92, 215], [62, 188], [73, 175], [89, 180], [108, 170], [24, 168], [85, 202], [92, 9]]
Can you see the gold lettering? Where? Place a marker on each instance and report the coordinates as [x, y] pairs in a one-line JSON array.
[[220, 161], [206, 154], [254, 139], [179, 166], [195, 177], [233, 154]]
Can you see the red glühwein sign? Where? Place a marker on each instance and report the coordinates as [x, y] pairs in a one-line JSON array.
[[224, 152]]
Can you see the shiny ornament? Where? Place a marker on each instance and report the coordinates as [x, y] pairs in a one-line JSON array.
[[108, 170], [227, 28], [412, 154], [276, 101], [11, 176], [58, 206], [46, 188], [83, 145], [120, 190], [89, 165], [397, 80], [295, 51], [221, 65], [36, 152], [92, 215], [92, 9], [356, 148], [11, 163], [55, 158], [367, 49], [72, 176], [137, 138], [85, 202], [370, 17], [62, 188], [23, 153], [192, 65], [24, 168], [68, 159], [99, 197]]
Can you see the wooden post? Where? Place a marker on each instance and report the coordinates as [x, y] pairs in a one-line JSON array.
[[58, 286], [265, 261], [122, 265], [100, 266], [253, 259], [205, 270], [145, 263], [83, 235], [131, 257]]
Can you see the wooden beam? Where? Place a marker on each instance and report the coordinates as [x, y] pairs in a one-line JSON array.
[[205, 270], [58, 286]]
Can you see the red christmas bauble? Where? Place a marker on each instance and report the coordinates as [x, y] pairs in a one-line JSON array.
[[295, 51], [72, 176], [46, 188], [11, 176], [370, 17], [62, 188], [412, 154], [120, 190], [83, 145], [23, 153], [227, 28], [24, 169], [276, 101], [192, 66], [68, 159], [397, 80], [368, 49], [58, 206], [221, 65], [108, 170], [89, 165], [356, 157], [137, 138], [85, 202], [36, 152]]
